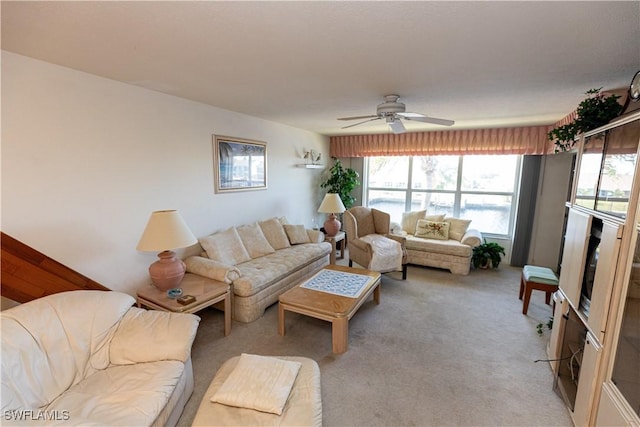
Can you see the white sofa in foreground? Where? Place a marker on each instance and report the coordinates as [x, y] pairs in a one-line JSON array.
[[261, 261], [436, 241], [90, 358]]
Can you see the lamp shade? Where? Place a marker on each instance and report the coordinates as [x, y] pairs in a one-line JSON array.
[[166, 230], [331, 204]]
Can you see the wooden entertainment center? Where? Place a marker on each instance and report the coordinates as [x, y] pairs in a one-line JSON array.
[[594, 346]]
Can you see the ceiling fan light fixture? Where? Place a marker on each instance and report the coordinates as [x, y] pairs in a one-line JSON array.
[[397, 126]]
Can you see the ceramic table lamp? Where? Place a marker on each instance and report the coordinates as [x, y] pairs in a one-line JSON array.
[[165, 231], [332, 204]]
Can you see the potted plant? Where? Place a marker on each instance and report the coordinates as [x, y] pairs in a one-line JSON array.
[[342, 181], [487, 255], [540, 327], [595, 111]]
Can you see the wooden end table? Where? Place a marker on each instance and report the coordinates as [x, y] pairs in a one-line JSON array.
[[339, 237], [333, 308], [207, 292]]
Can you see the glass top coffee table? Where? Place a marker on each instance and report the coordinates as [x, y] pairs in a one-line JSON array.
[[332, 307]]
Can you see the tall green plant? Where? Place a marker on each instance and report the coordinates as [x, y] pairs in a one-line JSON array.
[[595, 111], [342, 181]]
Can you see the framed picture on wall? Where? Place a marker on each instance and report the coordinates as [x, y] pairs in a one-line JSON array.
[[239, 164]]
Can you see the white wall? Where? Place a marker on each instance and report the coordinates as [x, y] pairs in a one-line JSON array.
[[85, 160]]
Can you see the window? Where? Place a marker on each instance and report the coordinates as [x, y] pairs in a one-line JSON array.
[[480, 188]]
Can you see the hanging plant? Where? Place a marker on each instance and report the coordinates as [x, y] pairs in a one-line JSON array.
[[595, 111]]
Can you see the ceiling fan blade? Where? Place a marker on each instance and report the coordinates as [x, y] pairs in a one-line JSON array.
[[410, 115], [397, 126], [421, 118], [358, 117], [359, 123]]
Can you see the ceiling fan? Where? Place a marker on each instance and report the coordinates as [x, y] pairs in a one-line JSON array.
[[392, 111]]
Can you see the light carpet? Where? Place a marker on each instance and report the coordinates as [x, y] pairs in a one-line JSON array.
[[440, 349]]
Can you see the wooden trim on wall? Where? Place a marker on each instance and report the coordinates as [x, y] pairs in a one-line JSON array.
[[28, 274]]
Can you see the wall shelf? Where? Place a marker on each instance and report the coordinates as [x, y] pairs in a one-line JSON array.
[[311, 166]]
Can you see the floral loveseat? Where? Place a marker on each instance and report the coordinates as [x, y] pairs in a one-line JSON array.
[[436, 241], [261, 261]]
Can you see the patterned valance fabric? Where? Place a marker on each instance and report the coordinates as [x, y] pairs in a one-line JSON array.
[[519, 140]]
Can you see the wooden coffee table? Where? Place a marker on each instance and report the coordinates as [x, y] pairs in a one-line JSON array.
[[333, 308]]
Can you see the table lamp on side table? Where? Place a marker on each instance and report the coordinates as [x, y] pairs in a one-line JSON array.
[[165, 231], [331, 204]]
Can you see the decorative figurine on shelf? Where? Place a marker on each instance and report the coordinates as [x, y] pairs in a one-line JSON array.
[[317, 159], [307, 157]]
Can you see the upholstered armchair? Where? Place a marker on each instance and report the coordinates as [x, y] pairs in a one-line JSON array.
[[369, 242]]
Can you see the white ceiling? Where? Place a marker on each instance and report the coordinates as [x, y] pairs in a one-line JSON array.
[[305, 63]]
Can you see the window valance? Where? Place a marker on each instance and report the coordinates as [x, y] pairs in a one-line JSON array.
[[518, 140]]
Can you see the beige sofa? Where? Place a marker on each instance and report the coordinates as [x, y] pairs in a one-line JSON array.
[[261, 261], [90, 358], [437, 241]]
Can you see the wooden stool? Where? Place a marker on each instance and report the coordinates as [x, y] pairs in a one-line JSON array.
[[539, 278]]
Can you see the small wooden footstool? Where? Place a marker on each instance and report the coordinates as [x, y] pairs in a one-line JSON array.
[[539, 278], [303, 408]]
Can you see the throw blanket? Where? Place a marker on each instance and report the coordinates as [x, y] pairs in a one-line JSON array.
[[387, 253]]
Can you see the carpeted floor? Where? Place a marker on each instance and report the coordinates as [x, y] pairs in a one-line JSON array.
[[440, 349]]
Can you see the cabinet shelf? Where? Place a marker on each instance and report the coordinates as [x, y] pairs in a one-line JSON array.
[[311, 166]]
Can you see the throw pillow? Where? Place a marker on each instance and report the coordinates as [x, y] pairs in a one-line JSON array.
[[410, 220], [254, 241], [275, 234], [225, 247], [432, 229], [297, 234], [257, 382], [458, 227]]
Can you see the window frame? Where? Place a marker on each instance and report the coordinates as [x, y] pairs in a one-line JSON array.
[[458, 192]]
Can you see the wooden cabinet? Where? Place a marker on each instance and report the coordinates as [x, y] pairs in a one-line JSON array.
[[596, 341], [613, 410], [587, 385], [623, 385], [555, 341], [573, 256], [604, 278]]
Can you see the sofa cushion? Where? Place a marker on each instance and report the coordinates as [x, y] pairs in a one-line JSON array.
[[254, 240], [258, 382], [303, 408], [438, 230], [274, 232], [212, 269], [260, 273], [40, 360], [458, 227], [410, 220], [126, 395], [226, 247], [138, 337], [444, 247], [297, 234]]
